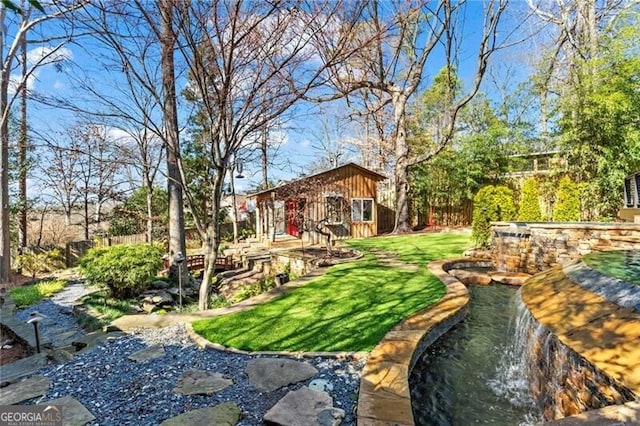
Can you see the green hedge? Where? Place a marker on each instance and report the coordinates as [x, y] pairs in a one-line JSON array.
[[567, 208], [491, 203], [126, 270], [530, 202]]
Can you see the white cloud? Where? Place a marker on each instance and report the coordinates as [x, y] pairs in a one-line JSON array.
[[58, 85], [45, 55]]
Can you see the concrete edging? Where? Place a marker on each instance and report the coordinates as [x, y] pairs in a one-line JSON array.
[[384, 397]]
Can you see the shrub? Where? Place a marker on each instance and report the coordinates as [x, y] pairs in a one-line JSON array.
[[567, 208], [31, 294], [125, 270], [489, 205], [36, 263], [530, 202]]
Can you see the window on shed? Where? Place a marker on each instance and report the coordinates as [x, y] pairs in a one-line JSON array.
[[334, 208], [362, 210]]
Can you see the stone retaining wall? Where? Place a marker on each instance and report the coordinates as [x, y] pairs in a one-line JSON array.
[[583, 351], [535, 247]]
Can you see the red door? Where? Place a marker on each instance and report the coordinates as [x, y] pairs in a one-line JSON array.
[[294, 212]]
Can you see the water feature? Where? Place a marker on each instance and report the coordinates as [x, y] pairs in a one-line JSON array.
[[473, 374]]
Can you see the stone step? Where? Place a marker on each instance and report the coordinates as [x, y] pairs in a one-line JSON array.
[[10, 373], [24, 390]]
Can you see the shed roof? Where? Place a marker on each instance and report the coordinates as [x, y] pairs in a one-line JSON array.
[[374, 175]]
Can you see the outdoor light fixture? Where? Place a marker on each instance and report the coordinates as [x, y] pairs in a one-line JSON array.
[[239, 170], [179, 259], [34, 319]]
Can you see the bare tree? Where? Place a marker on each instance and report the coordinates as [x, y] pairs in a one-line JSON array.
[[249, 63], [59, 165], [144, 153], [97, 168], [408, 35]]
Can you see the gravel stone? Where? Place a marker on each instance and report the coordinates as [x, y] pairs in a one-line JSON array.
[[119, 391]]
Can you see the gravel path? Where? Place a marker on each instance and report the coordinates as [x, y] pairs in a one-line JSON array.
[[119, 391], [58, 313]]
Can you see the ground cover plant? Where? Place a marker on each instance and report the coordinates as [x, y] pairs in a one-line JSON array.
[[351, 307], [102, 310], [31, 294], [624, 265]]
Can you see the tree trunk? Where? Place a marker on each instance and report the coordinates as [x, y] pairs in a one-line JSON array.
[[5, 248], [234, 209], [86, 216], [149, 213], [401, 169], [263, 157], [211, 242], [22, 154], [177, 242]]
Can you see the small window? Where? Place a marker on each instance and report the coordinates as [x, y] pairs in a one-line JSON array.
[[335, 207], [627, 193], [362, 210]]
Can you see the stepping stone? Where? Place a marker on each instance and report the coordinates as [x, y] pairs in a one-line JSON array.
[[21, 391], [269, 374], [73, 413], [199, 382], [23, 367], [152, 352], [513, 278], [226, 414], [471, 277], [305, 407]]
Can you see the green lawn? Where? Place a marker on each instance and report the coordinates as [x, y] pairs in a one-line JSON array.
[[31, 294], [350, 308], [624, 265]]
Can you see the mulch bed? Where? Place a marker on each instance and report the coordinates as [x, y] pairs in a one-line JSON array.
[[11, 347]]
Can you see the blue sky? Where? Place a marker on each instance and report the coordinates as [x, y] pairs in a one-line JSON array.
[[297, 137]]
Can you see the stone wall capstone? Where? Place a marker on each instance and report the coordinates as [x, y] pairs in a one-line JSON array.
[[536, 247]]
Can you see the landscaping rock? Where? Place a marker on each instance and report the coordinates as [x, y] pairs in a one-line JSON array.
[[269, 374], [471, 277], [162, 298], [60, 355], [305, 407], [152, 352], [160, 284], [199, 382], [22, 367], [21, 391], [510, 278], [73, 413], [226, 414], [321, 385]]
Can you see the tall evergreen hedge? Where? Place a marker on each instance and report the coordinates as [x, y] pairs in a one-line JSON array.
[[567, 207], [530, 202], [491, 204]]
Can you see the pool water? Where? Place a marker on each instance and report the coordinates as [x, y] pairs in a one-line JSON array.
[[622, 264], [459, 379]]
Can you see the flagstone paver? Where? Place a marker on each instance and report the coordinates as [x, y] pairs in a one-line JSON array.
[[305, 407], [26, 389], [269, 374], [199, 382], [73, 412], [146, 354], [226, 414]]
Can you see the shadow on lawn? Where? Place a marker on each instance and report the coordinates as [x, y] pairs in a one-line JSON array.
[[349, 309]]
